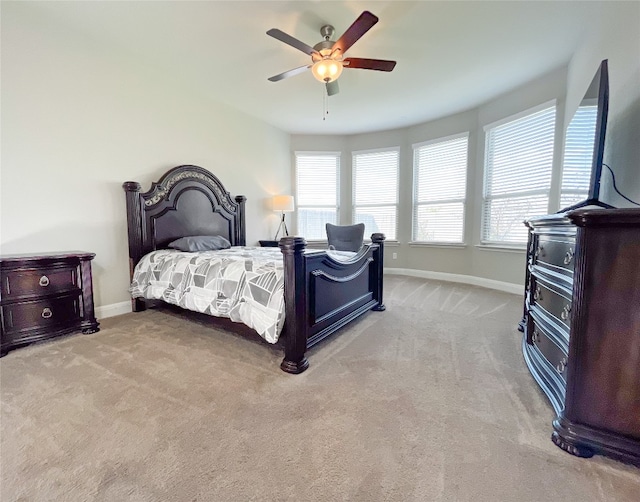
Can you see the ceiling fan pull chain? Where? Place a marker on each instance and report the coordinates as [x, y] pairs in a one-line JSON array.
[[326, 99], [325, 105]]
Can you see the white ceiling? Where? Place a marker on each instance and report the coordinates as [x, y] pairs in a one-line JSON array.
[[451, 56]]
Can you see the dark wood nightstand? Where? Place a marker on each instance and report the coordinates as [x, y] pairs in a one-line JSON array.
[[43, 296], [269, 244]]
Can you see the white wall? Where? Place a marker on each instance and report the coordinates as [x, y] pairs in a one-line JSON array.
[[78, 120], [616, 37]]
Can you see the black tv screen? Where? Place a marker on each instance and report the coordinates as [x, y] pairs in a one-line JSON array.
[[584, 145]]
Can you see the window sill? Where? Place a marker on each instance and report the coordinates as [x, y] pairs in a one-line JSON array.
[[502, 248], [448, 245]]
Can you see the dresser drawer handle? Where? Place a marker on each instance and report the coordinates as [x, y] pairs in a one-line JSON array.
[[537, 294], [568, 257], [562, 365], [540, 251], [44, 281], [565, 312], [46, 313]]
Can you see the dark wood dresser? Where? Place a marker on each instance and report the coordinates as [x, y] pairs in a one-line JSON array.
[[43, 296], [582, 327]]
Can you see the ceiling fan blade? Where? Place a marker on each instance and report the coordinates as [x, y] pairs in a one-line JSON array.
[[290, 73], [359, 27], [369, 64], [293, 42], [332, 88]]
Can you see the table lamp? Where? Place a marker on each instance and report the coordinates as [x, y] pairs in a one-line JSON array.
[[284, 204]]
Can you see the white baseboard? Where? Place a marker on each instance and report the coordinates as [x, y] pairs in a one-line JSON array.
[[507, 287], [517, 289], [113, 309]]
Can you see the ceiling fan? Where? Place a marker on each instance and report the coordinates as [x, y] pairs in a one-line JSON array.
[[327, 57]]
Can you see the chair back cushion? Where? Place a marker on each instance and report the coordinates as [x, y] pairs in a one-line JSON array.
[[345, 237]]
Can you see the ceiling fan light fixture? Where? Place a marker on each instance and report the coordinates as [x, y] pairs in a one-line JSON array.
[[327, 70], [327, 56]]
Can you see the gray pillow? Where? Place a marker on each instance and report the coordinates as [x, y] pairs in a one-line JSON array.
[[200, 243]]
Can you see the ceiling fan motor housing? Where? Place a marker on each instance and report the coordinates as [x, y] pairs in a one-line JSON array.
[[327, 31], [324, 50], [324, 47]]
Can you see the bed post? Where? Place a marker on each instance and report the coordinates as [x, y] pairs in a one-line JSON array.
[[295, 299], [134, 229], [240, 236], [378, 256]]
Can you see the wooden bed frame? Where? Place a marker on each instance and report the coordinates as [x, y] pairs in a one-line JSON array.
[[321, 294]]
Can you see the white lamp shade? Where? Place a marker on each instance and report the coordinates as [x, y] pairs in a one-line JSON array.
[[283, 203]]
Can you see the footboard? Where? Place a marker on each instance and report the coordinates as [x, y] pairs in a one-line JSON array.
[[322, 294]]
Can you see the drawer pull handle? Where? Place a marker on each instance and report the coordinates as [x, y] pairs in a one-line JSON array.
[[44, 281], [535, 337], [46, 313], [565, 312], [539, 251], [537, 295], [568, 257], [562, 365]]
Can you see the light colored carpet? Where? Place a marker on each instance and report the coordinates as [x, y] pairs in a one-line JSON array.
[[428, 401]]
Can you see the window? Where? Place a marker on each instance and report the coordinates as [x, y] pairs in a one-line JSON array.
[[517, 178], [440, 185], [316, 192], [375, 191], [578, 156]]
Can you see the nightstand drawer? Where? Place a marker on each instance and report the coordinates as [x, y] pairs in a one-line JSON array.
[[38, 282], [38, 314]]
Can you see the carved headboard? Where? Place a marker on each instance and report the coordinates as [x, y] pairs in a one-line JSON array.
[[187, 200]]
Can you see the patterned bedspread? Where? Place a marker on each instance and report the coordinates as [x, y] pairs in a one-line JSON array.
[[244, 284]]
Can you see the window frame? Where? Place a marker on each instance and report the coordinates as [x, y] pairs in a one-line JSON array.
[[484, 242], [354, 206], [415, 204], [316, 153]]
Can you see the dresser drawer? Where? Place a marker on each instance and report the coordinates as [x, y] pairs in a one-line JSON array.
[[555, 252], [555, 355], [19, 283], [551, 301], [46, 313]]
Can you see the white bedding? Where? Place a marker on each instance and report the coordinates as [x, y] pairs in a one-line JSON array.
[[244, 284]]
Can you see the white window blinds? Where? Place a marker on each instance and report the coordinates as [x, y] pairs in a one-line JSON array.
[[375, 191], [440, 185], [578, 156], [317, 196], [517, 178]]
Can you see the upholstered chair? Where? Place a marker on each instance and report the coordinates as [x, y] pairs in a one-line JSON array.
[[345, 237]]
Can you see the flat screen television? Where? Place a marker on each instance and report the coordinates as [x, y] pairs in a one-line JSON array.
[[584, 145]]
